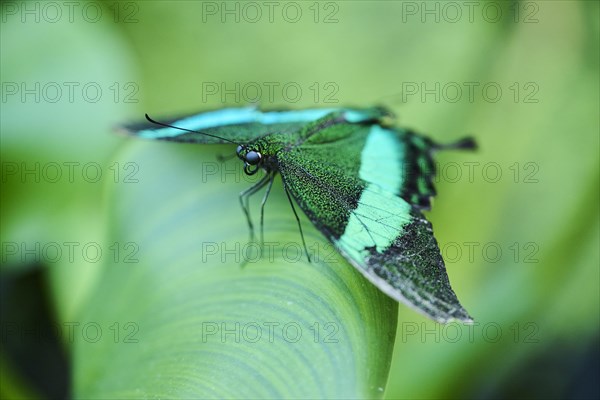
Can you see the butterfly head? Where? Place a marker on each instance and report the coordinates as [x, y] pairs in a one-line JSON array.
[[252, 159]]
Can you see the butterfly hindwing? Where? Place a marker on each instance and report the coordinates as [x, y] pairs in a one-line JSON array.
[[410, 154], [351, 181], [419, 170]]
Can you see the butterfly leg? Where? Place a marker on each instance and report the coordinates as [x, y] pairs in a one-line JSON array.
[[244, 201], [262, 209], [297, 220]]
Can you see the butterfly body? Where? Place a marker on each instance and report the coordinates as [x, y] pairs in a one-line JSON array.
[[361, 182]]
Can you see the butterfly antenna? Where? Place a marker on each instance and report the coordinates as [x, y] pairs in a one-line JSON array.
[[189, 130], [297, 220]]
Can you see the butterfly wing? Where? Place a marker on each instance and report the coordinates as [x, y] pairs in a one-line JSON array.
[[239, 125], [362, 187]]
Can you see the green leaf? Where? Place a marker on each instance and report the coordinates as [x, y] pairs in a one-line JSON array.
[[60, 136], [188, 321]]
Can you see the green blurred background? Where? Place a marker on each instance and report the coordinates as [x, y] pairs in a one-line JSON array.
[[517, 221]]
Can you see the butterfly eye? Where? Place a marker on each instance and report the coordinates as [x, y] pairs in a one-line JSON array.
[[239, 149], [253, 157]]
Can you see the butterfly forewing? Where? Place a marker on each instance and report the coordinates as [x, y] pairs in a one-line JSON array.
[[239, 125]]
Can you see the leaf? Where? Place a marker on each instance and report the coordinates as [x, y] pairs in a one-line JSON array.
[[200, 325], [59, 135]]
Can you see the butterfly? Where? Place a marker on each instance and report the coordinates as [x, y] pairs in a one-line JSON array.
[[362, 182]]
